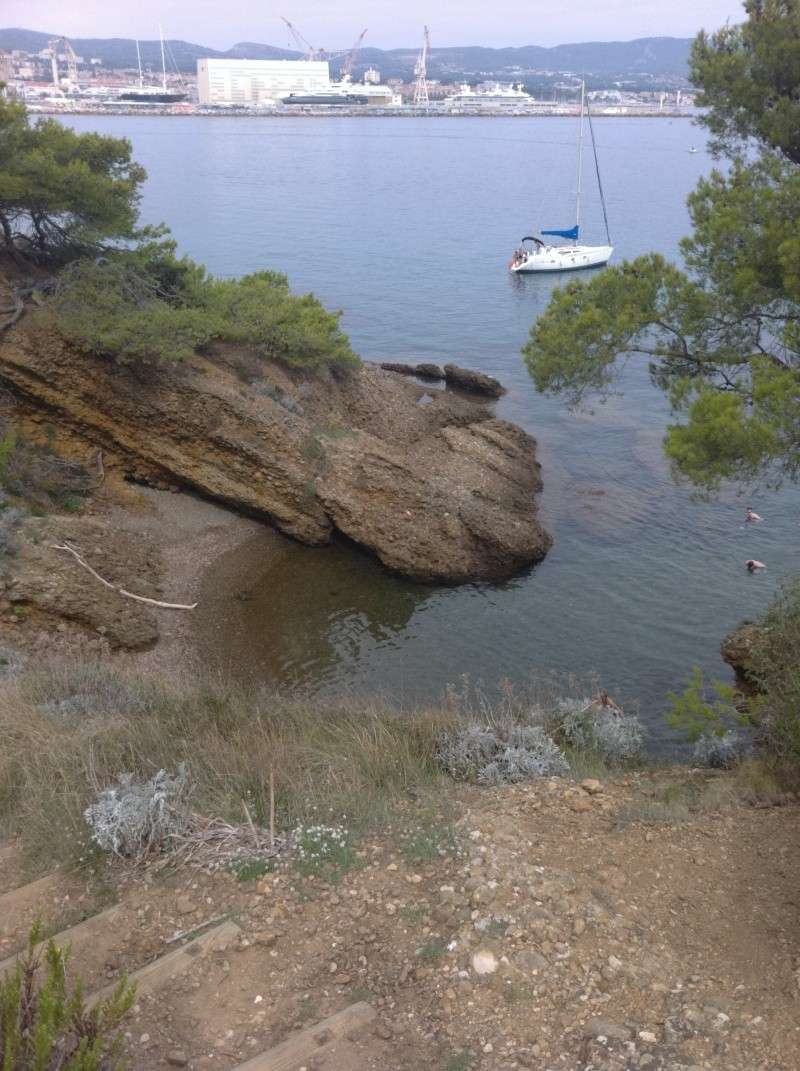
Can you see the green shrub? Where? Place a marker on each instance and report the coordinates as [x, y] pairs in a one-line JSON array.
[[113, 309], [148, 306], [775, 670], [250, 869], [324, 851], [45, 1025], [434, 839], [701, 714], [772, 715], [258, 311], [37, 478]]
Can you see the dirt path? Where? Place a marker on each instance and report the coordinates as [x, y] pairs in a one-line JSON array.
[[549, 927]]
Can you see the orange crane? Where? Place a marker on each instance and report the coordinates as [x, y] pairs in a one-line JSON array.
[[347, 67], [62, 44], [421, 73], [304, 46]]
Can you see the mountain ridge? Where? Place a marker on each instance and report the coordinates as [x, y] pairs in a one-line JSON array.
[[644, 57]]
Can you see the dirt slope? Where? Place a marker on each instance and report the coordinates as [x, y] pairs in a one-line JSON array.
[[561, 933]]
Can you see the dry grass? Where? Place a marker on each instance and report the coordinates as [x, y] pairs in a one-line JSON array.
[[752, 782], [70, 730]]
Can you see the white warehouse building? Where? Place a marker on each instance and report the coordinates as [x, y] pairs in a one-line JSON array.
[[239, 81]]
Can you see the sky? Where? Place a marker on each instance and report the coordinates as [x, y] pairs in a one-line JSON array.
[[391, 23]]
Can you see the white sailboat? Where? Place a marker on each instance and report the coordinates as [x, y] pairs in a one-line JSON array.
[[536, 255], [144, 93]]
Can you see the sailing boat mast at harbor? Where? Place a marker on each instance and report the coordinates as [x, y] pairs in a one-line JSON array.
[[535, 255], [150, 94]]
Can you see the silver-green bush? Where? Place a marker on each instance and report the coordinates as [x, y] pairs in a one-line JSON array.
[[501, 754]]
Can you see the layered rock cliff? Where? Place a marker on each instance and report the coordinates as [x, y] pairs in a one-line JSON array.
[[429, 481]]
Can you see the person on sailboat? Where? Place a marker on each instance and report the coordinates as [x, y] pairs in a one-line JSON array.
[[518, 258]]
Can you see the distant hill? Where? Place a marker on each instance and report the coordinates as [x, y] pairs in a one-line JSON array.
[[648, 59]]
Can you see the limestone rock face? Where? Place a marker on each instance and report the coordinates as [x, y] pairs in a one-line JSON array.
[[54, 584], [440, 491]]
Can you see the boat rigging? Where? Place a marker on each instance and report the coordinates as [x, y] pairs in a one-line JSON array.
[[534, 255]]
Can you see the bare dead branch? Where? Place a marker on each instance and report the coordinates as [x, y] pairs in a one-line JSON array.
[[114, 587]]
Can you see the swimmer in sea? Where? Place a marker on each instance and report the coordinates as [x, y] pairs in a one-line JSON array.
[[751, 516], [753, 565]]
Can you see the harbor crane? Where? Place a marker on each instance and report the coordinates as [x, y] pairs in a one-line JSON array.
[[346, 73], [304, 46], [421, 73], [62, 44]]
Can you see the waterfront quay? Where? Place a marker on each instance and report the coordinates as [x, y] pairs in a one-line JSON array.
[[433, 111]]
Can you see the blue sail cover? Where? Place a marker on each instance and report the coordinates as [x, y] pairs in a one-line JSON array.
[[572, 233]]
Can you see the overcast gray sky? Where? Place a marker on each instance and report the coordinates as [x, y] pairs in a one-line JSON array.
[[391, 23]]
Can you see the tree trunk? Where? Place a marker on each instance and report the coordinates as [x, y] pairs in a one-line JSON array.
[[8, 241]]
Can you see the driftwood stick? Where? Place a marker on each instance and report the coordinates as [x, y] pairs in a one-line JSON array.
[[113, 587], [251, 826]]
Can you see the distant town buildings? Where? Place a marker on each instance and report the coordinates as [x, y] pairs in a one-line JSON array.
[[6, 68], [249, 82], [254, 83], [56, 79]]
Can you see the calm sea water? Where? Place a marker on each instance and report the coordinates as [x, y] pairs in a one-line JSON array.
[[407, 226]]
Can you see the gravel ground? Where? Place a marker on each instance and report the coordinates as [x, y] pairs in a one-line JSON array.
[[549, 926]]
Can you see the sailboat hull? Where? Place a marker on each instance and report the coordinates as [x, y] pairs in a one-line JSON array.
[[564, 258]]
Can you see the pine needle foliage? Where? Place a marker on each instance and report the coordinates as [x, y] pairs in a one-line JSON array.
[[150, 307], [45, 1025], [721, 334]]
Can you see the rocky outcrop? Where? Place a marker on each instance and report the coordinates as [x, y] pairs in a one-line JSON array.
[[454, 376], [428, 371], [399, 367], [737, 648], [422, 371], [440, 492], [53, 584], [474, 382]]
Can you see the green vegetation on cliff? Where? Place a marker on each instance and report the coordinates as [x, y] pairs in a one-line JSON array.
[[724, 724], [120, 307], [775, 670], [722, 336], [70, 201]]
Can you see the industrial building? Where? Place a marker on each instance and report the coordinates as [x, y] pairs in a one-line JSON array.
[[249, 82]]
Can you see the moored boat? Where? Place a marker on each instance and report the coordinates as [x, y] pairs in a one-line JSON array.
[[534, 255]]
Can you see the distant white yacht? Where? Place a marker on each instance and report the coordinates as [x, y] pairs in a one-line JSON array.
[[496, 95], [534, 255]]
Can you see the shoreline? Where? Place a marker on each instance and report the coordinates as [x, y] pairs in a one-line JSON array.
[[334, 111], [191, 535]]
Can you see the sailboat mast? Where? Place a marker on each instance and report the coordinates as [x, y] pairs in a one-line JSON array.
[[139, 63], [597, 172], [163, 60], [580, 163]]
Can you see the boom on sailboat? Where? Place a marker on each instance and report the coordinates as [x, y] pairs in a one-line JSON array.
[[539, 256]]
